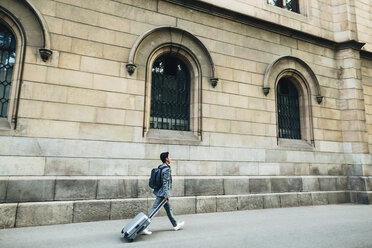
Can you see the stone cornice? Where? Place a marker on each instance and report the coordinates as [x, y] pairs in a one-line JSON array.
[[366, 54], [350, 44]]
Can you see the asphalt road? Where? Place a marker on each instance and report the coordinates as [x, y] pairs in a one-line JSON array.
[[341, 226]]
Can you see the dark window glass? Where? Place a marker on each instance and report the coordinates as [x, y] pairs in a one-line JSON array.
[[291, 5], [288, 110], [7, 59], [170, 94]]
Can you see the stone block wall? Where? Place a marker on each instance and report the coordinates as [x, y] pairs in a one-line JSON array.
[[335, 20], [313, 18], [366, 66], [84, 92], [363, 22], [79, 153]]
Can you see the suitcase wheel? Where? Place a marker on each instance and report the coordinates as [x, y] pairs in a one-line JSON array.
[[127, 238]]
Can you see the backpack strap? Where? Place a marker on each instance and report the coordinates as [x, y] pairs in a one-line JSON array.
[[161, 167]]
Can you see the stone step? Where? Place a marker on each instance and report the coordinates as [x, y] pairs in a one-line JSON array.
[[40, 189], [63, 212], [361, 197]]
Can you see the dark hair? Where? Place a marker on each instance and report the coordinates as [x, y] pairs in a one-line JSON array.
[[163, 156]]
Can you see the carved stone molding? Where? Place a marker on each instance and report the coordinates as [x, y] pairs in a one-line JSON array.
[[214, 82], [266, 90], [45, 54], [319, 99], [131, 68]]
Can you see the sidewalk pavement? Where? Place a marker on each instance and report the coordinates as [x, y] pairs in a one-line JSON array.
[[341, 226]]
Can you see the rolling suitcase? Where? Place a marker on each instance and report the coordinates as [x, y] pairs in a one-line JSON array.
[[139, 223]]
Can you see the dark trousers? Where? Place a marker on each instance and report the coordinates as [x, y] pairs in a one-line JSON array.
[[167, 207]]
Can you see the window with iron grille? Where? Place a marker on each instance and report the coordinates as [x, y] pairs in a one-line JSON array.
[[288, 110], [170, 94], [291, 5], [7, 59]]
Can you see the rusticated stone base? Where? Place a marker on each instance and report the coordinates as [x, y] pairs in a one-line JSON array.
[[44, 213], [81, 199], [7, 215], [63, 212]]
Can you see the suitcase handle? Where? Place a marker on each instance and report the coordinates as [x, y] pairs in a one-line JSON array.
[[162, 203]]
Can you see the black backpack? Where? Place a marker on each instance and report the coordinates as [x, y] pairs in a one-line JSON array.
[[155, 181]]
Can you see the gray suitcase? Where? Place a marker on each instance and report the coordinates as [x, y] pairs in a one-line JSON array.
[[139, 223]]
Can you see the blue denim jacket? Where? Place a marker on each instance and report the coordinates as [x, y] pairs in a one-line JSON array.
[[166, 189]]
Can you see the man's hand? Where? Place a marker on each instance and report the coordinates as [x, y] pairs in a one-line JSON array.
[[166, 198]]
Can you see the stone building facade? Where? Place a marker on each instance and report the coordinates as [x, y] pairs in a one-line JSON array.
[[78, 129]]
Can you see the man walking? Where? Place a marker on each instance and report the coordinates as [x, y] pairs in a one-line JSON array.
[[164, 192]]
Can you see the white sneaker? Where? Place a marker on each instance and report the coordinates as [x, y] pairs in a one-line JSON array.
[[146, 232], [179, 226]]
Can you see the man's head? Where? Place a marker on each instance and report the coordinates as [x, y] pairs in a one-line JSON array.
[[165, 158]]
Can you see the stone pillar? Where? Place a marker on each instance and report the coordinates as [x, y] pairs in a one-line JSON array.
[[354, 131], [353, 119], [344, 20]]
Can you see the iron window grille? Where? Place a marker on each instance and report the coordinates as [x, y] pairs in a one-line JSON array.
[[170, 94], [7, 60], [288, 110], [291, 5]]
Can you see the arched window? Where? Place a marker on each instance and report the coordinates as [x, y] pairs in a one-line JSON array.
[[173, 63], [170, 94], [21, 26], [288, 110], [296, 87], [7, 60]]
